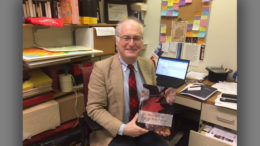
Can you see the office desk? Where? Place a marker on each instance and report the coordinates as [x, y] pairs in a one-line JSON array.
[[209, 113]]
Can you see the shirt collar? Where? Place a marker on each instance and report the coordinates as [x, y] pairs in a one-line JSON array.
[[124, 64]]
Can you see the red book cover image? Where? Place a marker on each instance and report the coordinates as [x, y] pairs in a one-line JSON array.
[[156, 107]]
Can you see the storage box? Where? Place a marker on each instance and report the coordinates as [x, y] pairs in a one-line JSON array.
[[215, 77], [88, 37], [71, 106], [40, 118], [217, 74]]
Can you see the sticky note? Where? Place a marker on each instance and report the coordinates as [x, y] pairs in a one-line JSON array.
[[195, 34], [189, 34], [162, 38], [170, 3], [176, 1], [189, 27], [188, 1], [163, 29], [197, 17], [198, 13], [202, 34], [205, 9], [164, 7], [196, 22], [205, 13], [170, 8], [175, 13], [203, 28], [196, 27], [164, 3], [163, 12], [168, 38], [169, 13], [182, 3], [176, 7], [206, 4], [203, 22], [204, 17], [201, 41]]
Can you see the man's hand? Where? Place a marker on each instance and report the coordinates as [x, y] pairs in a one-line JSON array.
[[131, 129], [165, 131]]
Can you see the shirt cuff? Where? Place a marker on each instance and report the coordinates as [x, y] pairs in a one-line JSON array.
[[121, 129]]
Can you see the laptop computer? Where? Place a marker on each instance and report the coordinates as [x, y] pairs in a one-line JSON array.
[[171, 72]]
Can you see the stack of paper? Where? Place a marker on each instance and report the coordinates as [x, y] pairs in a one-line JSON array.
[[228, 88], [196, 75], [222, 134]]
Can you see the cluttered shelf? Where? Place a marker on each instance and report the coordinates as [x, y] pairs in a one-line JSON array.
[[75, 25], [49, 96]]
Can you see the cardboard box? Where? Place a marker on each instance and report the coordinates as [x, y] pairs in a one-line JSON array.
[[40, 118], [88, 37], [67, 108]]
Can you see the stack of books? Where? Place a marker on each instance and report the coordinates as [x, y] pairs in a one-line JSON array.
[[37, 88]]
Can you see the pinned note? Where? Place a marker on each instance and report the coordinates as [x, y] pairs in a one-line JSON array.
[[168, 38], [162, 38], [202, 34], [163, 29], [163, 12], [204, 23], [175, 13], [176, 7], [195, 34]]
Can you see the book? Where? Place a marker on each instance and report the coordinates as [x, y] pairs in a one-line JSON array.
[[199, 91], [39, 54], [37, 90], [70, 11], [37, 99], [156, 107]]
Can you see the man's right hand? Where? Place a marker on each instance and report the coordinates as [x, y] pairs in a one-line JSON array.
[[133, 130]]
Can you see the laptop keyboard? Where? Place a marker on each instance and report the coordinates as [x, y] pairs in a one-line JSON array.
[[166, 82]]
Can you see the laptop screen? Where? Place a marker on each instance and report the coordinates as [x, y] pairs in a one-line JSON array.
[[172, 67]]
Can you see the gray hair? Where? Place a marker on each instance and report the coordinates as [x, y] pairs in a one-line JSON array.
[[118, 27]]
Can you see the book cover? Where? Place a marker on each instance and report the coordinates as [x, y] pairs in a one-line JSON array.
[[199, 91], [156, 107]]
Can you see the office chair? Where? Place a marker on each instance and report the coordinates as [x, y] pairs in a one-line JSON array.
[[86, 123]]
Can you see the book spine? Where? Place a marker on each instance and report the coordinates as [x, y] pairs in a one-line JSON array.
[[30, 8], [24, 10], [75, 12], [43, 9]]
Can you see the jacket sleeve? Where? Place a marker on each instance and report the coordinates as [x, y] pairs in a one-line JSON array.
[[97, 105]]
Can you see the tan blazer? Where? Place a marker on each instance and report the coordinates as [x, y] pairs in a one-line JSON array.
[[106, 96]]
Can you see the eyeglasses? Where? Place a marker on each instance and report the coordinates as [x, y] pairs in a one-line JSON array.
[[136, 39]]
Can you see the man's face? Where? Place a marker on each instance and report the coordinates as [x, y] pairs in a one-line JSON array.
[[129, 42]]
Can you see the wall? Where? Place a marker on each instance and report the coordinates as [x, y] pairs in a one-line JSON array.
[[221, 44]]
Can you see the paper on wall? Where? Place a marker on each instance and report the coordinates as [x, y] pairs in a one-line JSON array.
[[191, 51]]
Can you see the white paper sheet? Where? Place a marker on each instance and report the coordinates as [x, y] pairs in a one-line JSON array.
[[105, 31], [191, 51]]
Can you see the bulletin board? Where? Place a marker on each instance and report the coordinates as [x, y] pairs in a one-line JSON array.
[[191, 15]]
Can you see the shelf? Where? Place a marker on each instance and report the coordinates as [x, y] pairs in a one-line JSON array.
[[57, 94], [74, 25]]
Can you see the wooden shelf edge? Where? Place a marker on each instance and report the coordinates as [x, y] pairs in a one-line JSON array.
[[73, 25]]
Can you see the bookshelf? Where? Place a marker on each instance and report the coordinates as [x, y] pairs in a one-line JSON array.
[[31, 38], [73, 25]]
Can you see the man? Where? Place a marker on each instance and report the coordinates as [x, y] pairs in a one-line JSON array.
[[108, 95]]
